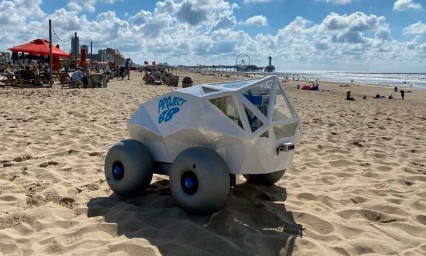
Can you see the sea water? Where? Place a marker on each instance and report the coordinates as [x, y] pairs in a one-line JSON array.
[[416, 80]]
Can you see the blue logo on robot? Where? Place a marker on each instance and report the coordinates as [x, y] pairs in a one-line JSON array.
[[168, 106]]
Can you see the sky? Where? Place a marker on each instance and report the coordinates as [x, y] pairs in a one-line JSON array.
[[333, 35]]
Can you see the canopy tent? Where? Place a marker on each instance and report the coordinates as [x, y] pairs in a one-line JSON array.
[[40, 47]]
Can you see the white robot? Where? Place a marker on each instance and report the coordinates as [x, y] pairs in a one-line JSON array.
[[202, 137]]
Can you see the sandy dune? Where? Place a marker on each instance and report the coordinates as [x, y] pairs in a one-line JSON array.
[[357, 184]]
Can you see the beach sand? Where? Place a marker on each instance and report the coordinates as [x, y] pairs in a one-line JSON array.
[[357, 184]]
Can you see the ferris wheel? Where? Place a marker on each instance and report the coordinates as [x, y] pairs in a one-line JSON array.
[[242, 60]]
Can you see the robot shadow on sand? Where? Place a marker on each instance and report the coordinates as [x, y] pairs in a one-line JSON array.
[[203, 137], [253, 221]]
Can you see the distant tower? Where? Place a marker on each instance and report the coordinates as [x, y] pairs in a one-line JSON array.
[[270, 60], [75, 45]]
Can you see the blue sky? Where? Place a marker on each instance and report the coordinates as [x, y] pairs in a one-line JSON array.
[[347, 35]]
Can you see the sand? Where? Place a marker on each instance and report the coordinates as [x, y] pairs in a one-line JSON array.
[[357, 184]]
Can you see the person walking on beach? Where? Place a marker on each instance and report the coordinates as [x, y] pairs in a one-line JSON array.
[[127, 67], [402, 93]]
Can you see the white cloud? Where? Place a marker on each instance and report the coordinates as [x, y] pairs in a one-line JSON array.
[[86, 5], [18, 21], [350, 28], [336, 2], [20, 11], [256, 1], [350, 40], [418, 28], [403, 5], [413, 44], [258, 20], [195, 12], [82, 5]]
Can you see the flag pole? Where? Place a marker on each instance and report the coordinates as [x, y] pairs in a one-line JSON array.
[[50, 52], [91, 54]]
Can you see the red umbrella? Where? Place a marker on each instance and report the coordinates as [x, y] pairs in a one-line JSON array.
[[82, 58], [39, 46], [56, 63]]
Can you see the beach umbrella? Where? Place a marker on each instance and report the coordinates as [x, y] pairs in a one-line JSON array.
[[56, 63], [40, 47], [82, 58]]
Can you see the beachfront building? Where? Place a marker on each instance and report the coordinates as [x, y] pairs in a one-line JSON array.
[[5, 57], [109, 55]]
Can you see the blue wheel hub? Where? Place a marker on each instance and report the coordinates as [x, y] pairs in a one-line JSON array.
[[189, 183], [118, 170]]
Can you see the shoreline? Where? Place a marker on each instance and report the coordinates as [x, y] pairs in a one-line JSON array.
[[311, 76], [282, 78]]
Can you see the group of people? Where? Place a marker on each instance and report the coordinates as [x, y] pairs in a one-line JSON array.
[[35, 69], [152, 74], [312, 87], [377, 96], [32, 71], [76, 74]]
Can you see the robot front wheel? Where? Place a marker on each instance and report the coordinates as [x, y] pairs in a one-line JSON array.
[[199, 180], [128, 167], [267, 179]]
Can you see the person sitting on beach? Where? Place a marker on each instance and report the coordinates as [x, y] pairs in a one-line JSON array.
[[79, 75], [348, 97], [35, 70], [9, 70], [28, 73], [390, 97], [46, 71], [107, 71], [315, 87]]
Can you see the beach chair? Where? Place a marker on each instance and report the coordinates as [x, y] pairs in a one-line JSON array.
[[63, 78], [23, 81], [74, 84], [158, 82], [8, 80], [173, 81], [149, 79], [99, 80]]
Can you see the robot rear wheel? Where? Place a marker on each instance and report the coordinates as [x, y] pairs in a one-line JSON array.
[[128, 167]]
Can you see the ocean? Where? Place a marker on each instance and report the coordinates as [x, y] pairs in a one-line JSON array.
[[415, 80]]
